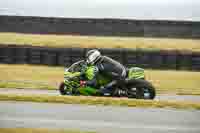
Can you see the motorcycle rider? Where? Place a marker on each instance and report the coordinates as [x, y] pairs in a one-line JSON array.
[[107, 67]]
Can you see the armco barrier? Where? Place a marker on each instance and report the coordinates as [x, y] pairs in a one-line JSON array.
[[34, 56], [195, 61], [170, 59], [177, 60], [21, 56], [100, 27], [7, 54]]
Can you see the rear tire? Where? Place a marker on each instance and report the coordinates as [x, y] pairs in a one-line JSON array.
[[140, 89]]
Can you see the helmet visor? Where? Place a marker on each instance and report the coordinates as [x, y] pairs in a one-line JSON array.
[[93, 57], [90, 60]]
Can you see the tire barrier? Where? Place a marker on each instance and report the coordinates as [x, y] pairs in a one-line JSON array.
[[176, 60], [100, 27], [195, 61]]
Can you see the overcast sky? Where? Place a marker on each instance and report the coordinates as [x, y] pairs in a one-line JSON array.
[[128, 9]]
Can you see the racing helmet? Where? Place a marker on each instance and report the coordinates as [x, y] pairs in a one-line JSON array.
[[92, 56]]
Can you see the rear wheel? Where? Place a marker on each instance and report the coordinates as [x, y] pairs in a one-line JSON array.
[[140, 89]]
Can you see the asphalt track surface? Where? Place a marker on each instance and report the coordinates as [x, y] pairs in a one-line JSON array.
[[189, 98], [101, 119]]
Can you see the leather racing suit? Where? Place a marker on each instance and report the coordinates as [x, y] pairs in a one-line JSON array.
[[111, 68]]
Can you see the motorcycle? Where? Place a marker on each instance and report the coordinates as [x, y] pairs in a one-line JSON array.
[[134, 86]]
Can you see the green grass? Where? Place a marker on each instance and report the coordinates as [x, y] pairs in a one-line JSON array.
[[44, 77], [100, 101], [22, 84], [37, 130], [178, 82], [99, 42], [31, 73]]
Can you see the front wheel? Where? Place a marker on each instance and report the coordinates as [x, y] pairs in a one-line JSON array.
[[140, 89], [63, 89]]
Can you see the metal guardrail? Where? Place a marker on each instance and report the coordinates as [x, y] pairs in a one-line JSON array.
[[100, 27]]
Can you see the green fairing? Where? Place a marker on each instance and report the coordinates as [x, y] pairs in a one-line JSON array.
[[87, 91], [74, 84], [89, 75], [71, 75], [136, 73]]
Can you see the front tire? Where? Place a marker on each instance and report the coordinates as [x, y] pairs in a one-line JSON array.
[[140, 89], [62, 89]]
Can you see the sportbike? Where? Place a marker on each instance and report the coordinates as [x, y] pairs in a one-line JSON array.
[[134, 86]]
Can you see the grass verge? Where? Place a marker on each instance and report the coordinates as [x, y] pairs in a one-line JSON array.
[[99, 42], [27, 85], [100, 101], [176, 82], [45, 77], [37, 130]]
